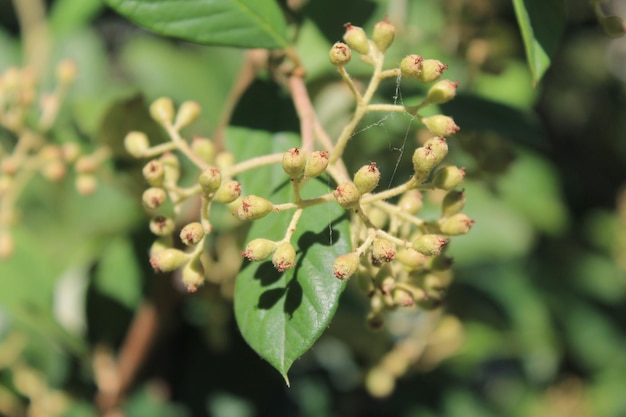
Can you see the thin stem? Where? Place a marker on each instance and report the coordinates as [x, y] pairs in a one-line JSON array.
[[249, 164], [159, 149], [396, 211], [391, 192], [183, 146], [385, 108], [348, 80], [31, 15], [291, 229], [305, 111]]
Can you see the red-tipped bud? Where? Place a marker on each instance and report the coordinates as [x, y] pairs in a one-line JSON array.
[[259, 249], [356, 38], [210, 180], [162, 110], [253, 207], [347, 195], [193, 275], [154, 173], [284, 257], [316, 164], [192, 233], [431, 70], [161, 225], [187, 114], [449, 177], [366, 178], [442, 92], [340, 54], [458, 224], [228, 192], [429, 244], [204, 148], [383, 250], [294, 161], [153, 198], [453, 203], [168, 260], [411, 202], [346, 265], [384, 33], [440, 125], [136, 143], [411, 66], [402, 297]]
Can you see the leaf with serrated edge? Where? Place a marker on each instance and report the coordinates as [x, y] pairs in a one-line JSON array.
[[237, 23], [281, 315]]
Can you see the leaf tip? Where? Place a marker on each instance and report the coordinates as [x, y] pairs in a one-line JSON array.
[[287, 380]]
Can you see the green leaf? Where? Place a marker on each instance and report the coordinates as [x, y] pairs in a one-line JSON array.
[[238, 23], [542, 23], [281, 315]]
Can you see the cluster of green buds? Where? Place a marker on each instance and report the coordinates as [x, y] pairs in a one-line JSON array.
[[27, 117]]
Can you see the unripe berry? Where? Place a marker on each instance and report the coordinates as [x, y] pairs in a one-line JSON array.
[[85, 184], [411, 259], [458, 224], [366, 178], [294, 161], [228, 192], [187, 114], [259, 249], [253, 207], [411, 66], [430, 244], [136, 144], [440, 125], [411, 202], [66, 72], [161, 225], [431, 70], [316, 164], [356, 38], [162, 110], [449, 177], [191, 234], [424, 160], [347, 195], [224, 160], [204, 148], [339, 54], [210, 180], [383, 250], [168, 260], [346, 265], [154, 173], [171, 166], [383, 35], [284, 257], [153, 198], [452, 203], [193, 275], [442, 92]]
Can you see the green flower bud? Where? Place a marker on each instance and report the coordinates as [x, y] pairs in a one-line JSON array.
[[411, 66], [411, 202], [193, 275], [204, 148], [153, 198], [411, 259], [449, 177], [442, 92], [431, 70], [162, 110], [378, 217], [402, 297], [224, 160], [346, 265], [210, 180], [228, 192], [366, 178], [187, 114], [160, 245], [294, 161], [86, 184], [384, 32], [253, 207], [356, 38], [191, 234], [168, 260], [440, 125], [340, 54], [136, 144], [347, 195], [316, 164], [171, 167], [458, 224], [154, 173], [161, 225], [429, 244], [383, 250], [452, 203], [284, 257], [424, 160], [259, 249]]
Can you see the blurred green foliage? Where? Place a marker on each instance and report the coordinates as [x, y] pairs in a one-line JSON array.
[[540, 282]]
